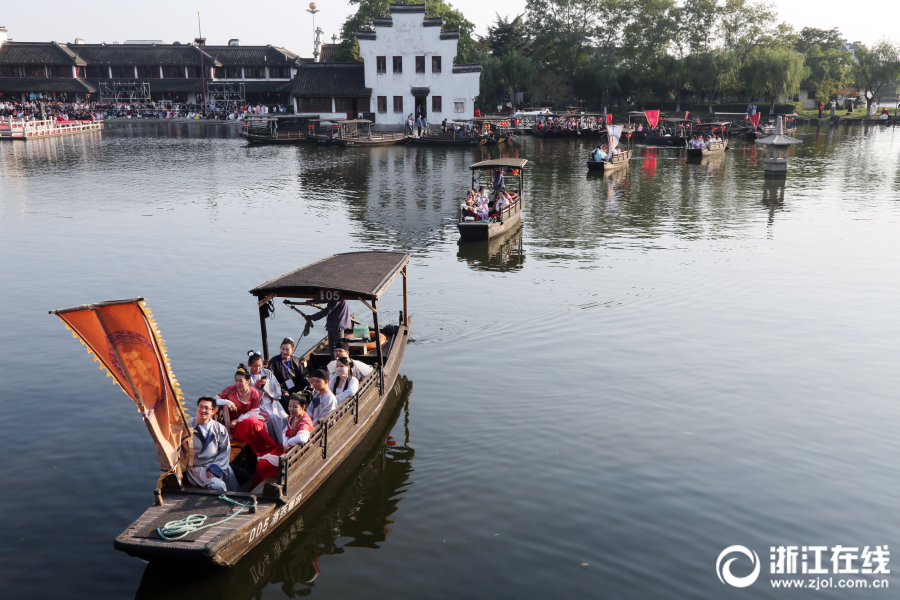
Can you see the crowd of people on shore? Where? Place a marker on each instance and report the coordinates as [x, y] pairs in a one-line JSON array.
[[38, 110]]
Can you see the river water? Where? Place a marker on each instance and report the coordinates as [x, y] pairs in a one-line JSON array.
[[657, 365]]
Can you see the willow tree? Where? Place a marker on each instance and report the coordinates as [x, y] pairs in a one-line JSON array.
[[829, 71], [874, 68], [778, 71]]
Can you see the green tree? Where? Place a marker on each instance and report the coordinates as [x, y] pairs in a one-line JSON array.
[[875, 68], [493, 88], [825, 39], [597, 78], [371, 9], [778, 71], [560, 29], [829, 71], [517, 71], [506, 36]]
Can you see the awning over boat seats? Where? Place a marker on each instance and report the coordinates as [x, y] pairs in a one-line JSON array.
[[350, 276]]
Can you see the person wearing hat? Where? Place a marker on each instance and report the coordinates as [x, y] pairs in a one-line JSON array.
[[323, 401], [212, 451], [296, 433], [359, 369], [289, 371]]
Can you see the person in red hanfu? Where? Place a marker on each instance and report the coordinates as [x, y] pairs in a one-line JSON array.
[[246, 424], [477, 112], [296, 433]]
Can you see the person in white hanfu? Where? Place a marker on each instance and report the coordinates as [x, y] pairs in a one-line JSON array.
[[343, 384], [360, 370], [323, 401], [270, 408], [212, 451]]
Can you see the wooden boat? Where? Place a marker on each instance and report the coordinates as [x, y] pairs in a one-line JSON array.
[[279, 129], [715, 147], [619, 161], [362, 276], [680, 141], [358, 132], [510, 215], [16, 129], [367, 490]]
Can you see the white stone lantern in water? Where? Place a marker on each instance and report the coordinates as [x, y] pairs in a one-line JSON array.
[[777, 146]]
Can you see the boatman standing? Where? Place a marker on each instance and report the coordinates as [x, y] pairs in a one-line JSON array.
[[338, 320], [212, 451]]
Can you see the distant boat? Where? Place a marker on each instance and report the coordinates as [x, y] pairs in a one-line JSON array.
[[279, 129], [509, 215]]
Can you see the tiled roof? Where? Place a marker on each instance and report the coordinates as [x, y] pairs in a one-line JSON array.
[[45, 85], [251, 55], [377, 22], [36, 53], [407, 8], [331, 79], [433, 22], [262, 87], [476, 68], [327, 51], [366, 35], [142, 54], [450, 35]]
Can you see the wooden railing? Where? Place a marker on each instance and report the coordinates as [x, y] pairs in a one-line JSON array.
[[295, 464]]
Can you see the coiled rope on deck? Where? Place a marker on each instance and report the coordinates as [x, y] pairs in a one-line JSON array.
[[178, 529]]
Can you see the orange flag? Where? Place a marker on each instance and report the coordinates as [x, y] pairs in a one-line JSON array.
[[123, 337]]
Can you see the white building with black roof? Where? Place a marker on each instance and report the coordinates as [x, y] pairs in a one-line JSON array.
[[407, 68]]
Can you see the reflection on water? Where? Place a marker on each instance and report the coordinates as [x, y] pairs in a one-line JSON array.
[[736, 340], [352, 510], [503, 252]]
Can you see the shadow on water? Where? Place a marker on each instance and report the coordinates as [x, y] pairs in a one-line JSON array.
[[355, 503], [504, 252]]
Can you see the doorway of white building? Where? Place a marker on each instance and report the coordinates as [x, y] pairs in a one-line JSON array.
[[421, 108]]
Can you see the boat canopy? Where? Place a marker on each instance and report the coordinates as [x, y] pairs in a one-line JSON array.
[[675, 120], [509, 163], [353, 276], [725, 114], [716, 123]]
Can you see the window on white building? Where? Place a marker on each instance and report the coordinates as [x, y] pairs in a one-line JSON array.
[[459, 106], [420, 64], [398, 64], [436, 104], [398, 104], [382, 104], [435, 64], [381, 64]]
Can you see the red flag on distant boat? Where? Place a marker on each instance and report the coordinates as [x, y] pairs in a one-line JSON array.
[[608, 118], [122, 336], [755, 120], [686, 113], [652, 117]]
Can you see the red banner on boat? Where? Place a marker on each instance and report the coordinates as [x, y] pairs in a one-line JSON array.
[[755, 120], [608, 118], [122, 336], [652, 117], [686, 113]]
